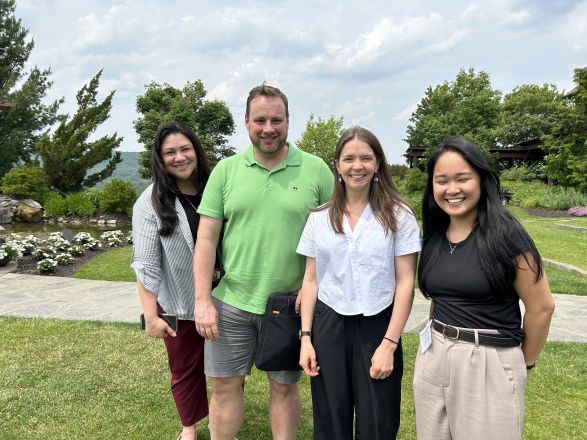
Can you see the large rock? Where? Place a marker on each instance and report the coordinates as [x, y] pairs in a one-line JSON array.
[[7, 208], [29, 211]]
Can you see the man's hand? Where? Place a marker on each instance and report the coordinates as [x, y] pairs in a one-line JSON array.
[[206, 319]]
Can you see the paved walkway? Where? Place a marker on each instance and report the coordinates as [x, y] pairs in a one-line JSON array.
[[70, 298]]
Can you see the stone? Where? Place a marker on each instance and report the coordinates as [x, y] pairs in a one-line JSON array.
[[111, 222], [29, 211]]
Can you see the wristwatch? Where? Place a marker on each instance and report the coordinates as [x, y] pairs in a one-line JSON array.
[[303, 333]]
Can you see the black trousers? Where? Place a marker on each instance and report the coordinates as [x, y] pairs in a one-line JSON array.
[[344, 390]]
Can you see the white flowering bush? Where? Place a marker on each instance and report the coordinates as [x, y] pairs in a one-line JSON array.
[[112, 238], [63, 259], [87, 241], [11, 250], [29, 244], [47, 265], [44, 250], [129, 237], [77, 250]]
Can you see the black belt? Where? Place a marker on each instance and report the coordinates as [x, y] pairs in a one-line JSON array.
[[451, 332]]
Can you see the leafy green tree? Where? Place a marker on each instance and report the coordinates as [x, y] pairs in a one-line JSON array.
[[530, 112], [566, 147], [320, 137], [21, 126], [67, 154], [468, 107], [211, 120]]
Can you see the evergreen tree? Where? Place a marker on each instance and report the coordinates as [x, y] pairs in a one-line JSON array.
[[211, 120], [21, 125], [67, 154]]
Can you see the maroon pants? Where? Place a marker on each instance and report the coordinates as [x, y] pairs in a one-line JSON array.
[[185, 353]]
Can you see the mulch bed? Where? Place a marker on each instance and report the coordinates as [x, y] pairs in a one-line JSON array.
[[548, 213]]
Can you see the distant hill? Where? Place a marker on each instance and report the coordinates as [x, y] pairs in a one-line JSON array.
[[128, 170]]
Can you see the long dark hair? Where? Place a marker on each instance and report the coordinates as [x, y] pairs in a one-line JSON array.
[[164, 186], [500, 238], [383, 197]]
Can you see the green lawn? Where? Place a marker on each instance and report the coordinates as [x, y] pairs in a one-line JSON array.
[[552, 242], [562, 281], [112, 265], [85, 380]]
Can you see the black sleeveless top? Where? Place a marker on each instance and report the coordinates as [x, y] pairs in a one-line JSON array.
[[462, 295]]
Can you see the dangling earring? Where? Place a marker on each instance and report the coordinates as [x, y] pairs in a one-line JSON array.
[[339, 179], [375, 178]]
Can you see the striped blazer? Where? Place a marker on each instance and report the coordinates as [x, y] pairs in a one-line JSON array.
[[164, 265]]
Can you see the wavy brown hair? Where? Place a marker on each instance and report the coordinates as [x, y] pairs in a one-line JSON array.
[[383, 196]]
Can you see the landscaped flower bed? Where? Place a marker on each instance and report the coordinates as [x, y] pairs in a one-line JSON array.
[[56, 255]]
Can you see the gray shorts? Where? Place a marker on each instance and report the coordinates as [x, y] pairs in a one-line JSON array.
[[233, 353]]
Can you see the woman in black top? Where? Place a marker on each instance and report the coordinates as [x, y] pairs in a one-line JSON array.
[[477, 261]]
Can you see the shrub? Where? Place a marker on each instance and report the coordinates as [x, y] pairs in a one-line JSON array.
[[117, 196], [55, 206], [81, 204], [413, 181], [112, 238], [47, 265], [25, 182], [560, 198], [522, 173], [578, 211], [63, 259], [414, 201]]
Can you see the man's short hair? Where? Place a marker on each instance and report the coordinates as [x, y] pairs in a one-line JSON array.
[[266, 90]]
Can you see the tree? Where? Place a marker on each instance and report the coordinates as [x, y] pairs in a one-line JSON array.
[[530, 112], [211, 120], [566, 147], [320, 138], [21, 126], [67, 155], [467, 107]]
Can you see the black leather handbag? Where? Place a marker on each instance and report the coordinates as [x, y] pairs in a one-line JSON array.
[[279, 342]]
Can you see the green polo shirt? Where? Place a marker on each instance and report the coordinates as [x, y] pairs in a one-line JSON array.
[[264, 213]]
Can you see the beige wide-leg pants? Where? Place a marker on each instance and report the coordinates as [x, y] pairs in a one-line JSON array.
[[468, 392]]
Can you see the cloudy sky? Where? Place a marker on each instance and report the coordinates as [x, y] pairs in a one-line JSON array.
[[370, 64]]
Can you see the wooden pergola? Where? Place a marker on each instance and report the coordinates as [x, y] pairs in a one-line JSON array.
[[524, 152]]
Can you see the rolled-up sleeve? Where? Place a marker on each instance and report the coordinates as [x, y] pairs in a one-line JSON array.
[[146, 259]]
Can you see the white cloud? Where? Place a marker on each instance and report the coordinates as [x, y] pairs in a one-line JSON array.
[[335, 57]]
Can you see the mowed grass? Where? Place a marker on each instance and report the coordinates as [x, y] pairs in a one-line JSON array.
[[562, 281], [112, 265], [553, 242], [85, 380]]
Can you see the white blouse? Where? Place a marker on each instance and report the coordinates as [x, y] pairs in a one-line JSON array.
[[355, 270]]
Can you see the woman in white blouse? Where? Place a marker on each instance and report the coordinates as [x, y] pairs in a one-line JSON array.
[[361, 249]]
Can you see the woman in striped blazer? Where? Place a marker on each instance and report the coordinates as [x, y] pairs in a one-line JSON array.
[[165, 224]]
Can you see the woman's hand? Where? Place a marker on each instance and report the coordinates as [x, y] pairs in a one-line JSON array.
[[156, 327], [382, 361], [308, 358]]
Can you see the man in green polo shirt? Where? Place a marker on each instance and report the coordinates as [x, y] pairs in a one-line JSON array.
[[262, 198]]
